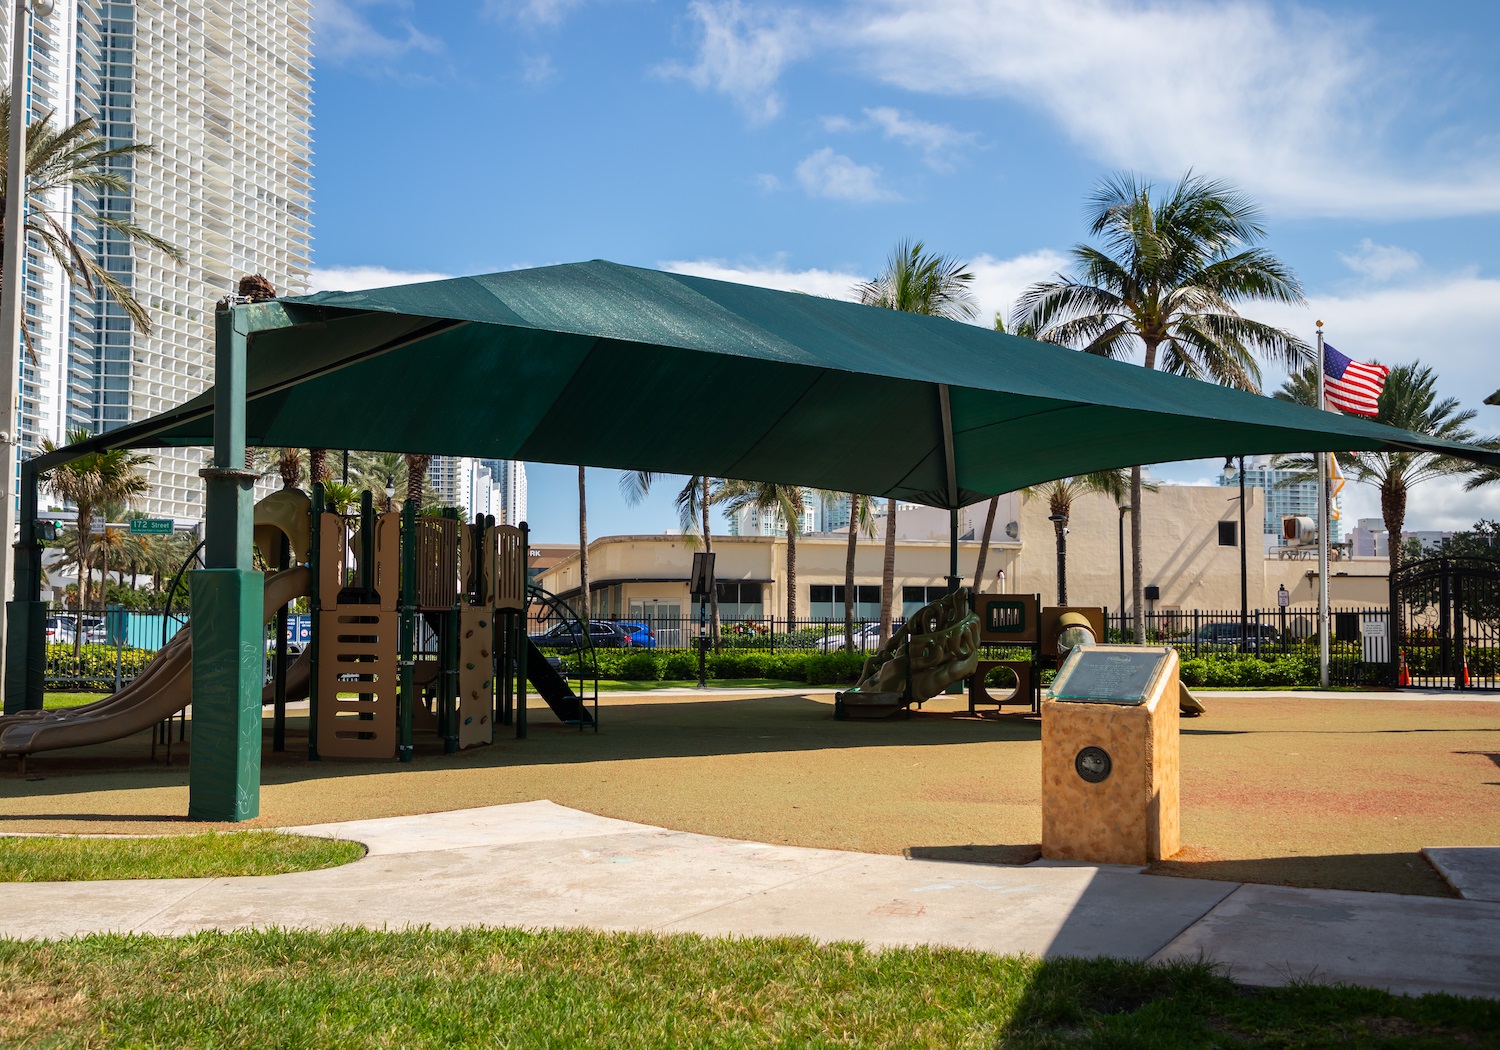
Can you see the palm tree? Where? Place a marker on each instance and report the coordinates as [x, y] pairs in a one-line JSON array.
[[74, 163], [861, 519], [768, 496], [693, 503], [1060, 495], [918, 282], [583, 548], [1025, 331], [1170, 273], [1409, 400], [90, 483]]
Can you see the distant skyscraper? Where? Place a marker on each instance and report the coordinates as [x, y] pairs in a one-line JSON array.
[[1285, 496], [509, 477], [222, 90]]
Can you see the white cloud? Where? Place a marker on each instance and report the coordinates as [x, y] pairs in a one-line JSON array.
[[830, 284], [343, 32], [1381, 262], [742, 52], [538, 70], [533, 12], [767, 182], [355, 278], [997, 282], [938, 142], [837, 177], [1295, 105]]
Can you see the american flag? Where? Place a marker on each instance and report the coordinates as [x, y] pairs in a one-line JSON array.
[[1352, 386]]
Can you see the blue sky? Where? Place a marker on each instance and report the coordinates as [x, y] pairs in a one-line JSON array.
[[794, 144]]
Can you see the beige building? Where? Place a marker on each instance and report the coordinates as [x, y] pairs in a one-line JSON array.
[[1191, 557]]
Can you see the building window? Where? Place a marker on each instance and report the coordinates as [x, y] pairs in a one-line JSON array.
[[1229, 534], [826, 602], [740, 601], [913, 598]]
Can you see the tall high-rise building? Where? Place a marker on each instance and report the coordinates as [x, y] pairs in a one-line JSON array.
[[222, 91], [509, 479], [1285, 496]]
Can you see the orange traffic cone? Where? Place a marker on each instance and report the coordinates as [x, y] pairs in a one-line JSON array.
[[1404, 678], [1464, 680]]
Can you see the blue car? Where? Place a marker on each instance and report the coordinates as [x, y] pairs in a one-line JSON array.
[[640, 634]]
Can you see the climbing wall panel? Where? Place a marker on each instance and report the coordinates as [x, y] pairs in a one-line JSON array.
[[476, 675]]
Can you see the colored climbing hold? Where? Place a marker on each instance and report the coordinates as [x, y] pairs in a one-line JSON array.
[[483, 624], [469, 721], [470, 665]]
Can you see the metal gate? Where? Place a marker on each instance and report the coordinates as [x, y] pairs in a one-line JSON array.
[[1446, 627]]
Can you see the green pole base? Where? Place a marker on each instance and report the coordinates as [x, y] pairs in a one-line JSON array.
[[25, 655], [228, 668]]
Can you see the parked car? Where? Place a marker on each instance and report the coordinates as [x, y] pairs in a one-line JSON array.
[[65, 629], [641, 635], [565, 637], [1226, 635], [866, 639]]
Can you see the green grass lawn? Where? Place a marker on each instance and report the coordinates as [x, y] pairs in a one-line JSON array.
[[216, 854], [364, 988], [52, 701]]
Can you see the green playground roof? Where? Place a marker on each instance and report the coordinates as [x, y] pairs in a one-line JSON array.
[[614, 366]]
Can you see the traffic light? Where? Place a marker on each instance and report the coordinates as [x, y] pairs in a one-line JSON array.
[[48, 530]]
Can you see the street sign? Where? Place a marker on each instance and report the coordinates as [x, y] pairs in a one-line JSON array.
[[151, 527], [96, 526]]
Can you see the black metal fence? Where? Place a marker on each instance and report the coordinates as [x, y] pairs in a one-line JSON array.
[[1272, 635]]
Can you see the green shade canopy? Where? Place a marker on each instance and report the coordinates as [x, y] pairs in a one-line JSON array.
[[613, 366]]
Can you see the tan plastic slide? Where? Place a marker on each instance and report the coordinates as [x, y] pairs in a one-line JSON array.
[[162, 689]]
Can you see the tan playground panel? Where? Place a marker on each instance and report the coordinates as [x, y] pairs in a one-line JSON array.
[[476, 675]]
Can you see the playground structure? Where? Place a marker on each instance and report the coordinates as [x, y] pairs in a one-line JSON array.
[[416, 619]]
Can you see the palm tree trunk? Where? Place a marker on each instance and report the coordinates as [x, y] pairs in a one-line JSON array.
[[708, 546], [792, 528], [1137, 587], [984, 544], [416, 474], [583, 548], [1062, 562], [856, 506], [888, 571], [1393, 513], [317, 464]]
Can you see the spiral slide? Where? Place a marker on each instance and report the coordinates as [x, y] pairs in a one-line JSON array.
[[160, 691]]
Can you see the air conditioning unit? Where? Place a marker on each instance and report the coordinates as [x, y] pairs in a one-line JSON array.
[[1299, 531], [1013, 530]]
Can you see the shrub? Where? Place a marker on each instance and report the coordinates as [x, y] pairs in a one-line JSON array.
[[678, 666], [640, 667]]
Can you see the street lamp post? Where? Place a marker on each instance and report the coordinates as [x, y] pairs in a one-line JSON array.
[[1060, 526], [390, 491], [1124, 510]]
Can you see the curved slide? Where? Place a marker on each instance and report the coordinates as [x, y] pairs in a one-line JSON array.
[[160, 691]]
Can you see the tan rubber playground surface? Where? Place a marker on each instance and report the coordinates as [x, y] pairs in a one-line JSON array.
[[1288, 790]]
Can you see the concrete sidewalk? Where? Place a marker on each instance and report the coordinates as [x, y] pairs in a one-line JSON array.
[[537, 864]]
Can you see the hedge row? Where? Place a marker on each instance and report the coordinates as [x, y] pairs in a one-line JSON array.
[[95, 666], [814, 668], [1227, 671]]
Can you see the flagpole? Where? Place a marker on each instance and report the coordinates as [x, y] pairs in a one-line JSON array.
[[1323, 646]]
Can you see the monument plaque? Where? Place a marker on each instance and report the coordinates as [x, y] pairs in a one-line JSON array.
[[1109, 675], [1110, 756]]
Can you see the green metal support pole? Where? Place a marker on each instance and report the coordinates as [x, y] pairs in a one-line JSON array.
[[278, 716], [407, 630], [227, 595], [522, 634], [26, 616], [314, 605], [954, 579]]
